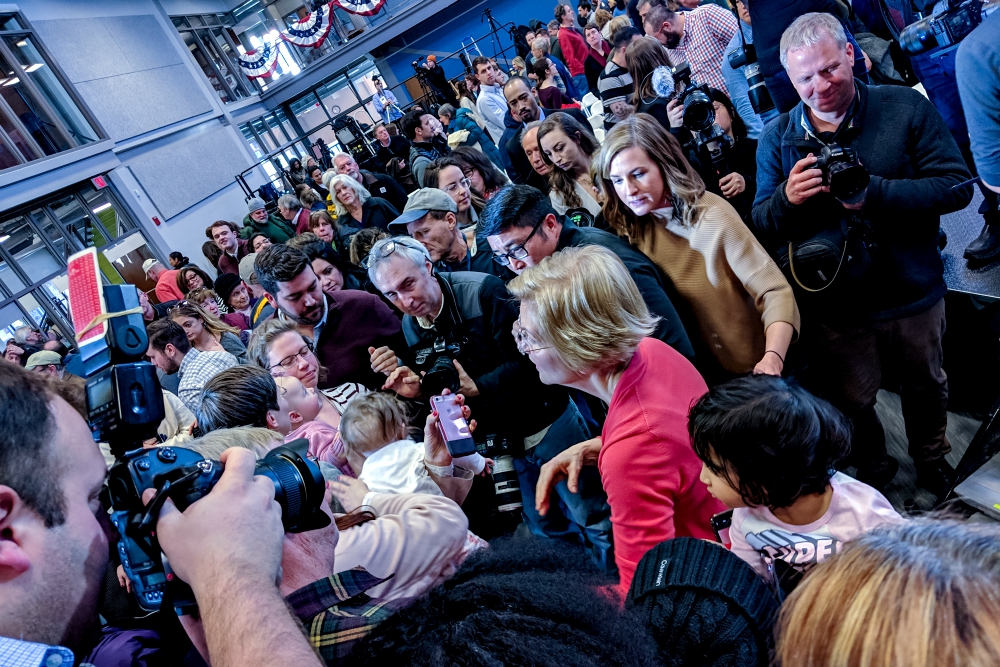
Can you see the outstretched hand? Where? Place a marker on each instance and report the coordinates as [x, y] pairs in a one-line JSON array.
[[435, 448], [404, 382], [566, 466]]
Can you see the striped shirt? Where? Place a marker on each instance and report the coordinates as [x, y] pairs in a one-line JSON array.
[[616, 88], [707, 31]]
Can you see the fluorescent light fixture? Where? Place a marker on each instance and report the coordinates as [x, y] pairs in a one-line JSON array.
[[4, 238], [102, 207], [23, 43], [33, 67], [2, 81], [12, 81]]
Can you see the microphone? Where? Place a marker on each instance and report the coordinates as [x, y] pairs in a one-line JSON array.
[[663, 81]]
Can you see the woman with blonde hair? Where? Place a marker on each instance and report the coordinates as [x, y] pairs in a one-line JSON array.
[[584, 324], [206, 332], [355, 208], [567, 147], [923, 593], [744, 307]]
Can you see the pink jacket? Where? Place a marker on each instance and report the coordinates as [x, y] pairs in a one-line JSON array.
[[324, 443]]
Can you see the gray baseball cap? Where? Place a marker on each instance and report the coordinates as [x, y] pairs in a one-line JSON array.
[[256, 204], [418, 204], [247, 271]]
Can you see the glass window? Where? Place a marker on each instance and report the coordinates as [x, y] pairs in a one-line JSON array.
[[16, 136], [10, 22], [32, 255], [22, 102], [10, 279], [337, 96], [308, 113], [11, 319], [7, 156], [45, 79]]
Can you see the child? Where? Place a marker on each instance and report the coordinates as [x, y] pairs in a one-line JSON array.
[[768, 450], [374, 429], [298, 408]]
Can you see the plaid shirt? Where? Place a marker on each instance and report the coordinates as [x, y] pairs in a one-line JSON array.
[[197, 368], [337, 612], [707, 31], [17, 653]]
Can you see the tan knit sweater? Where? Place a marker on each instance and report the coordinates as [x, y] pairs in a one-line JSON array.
[[733, 286]]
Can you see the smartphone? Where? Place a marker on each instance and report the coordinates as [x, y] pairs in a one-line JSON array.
[[720, 524], [454, 429]]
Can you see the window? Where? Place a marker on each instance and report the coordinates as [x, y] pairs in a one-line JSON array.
[[40, 114], [214, 49], [36, 240]]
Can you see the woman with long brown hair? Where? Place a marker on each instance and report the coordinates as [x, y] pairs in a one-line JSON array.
[[191, 278], [744, 306], [208, 333], [567, 147], [642, 57]]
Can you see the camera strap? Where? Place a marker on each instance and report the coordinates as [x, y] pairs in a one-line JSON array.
[[791, 267]]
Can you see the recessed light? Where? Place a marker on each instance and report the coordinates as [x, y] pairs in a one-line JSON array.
[[23, 43], [4, 238], [11, 82], [32, 68]]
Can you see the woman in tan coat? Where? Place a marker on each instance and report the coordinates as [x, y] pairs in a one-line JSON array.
[[744, 307]]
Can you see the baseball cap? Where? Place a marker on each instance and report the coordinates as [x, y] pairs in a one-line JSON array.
[[418, 204], [256, 204], [44, 358], [247, 272], [432, 57], [148, 264]]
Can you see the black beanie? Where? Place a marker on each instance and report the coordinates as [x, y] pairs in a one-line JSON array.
[[225, 284], [703, 605]]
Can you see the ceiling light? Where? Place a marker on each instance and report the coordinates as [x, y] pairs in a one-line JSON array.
[[33, 67], [4, 238], [23, 43], [2, 81], [11, 82], [102, 207]]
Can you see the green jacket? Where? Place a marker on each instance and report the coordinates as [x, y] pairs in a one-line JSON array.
[[274, 227]]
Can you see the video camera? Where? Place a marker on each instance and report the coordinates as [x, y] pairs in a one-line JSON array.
[[698, 116], [124, 408], [947, 28]]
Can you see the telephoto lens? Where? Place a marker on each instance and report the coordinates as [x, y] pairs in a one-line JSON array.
[[508, 489], [699, 112], [299, 486]]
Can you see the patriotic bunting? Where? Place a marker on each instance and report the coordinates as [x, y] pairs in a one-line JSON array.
[[310, 32], [260, 62], [362, 7]]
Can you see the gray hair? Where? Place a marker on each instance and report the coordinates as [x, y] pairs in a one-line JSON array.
[[21, 333], [359, 190], [542, 44], [291, 202], [258, 440], [406, 247], [527, 128], [340, 154], [446, 110], [810, 29]]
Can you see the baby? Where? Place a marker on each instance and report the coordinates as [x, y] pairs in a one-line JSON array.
[[298, 408]]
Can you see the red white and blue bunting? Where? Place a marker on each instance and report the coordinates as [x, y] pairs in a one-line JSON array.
[[260, 62], [362, 7], [312, 31]]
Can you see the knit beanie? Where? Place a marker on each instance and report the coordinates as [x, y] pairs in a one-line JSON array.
[[256, 204], [703, 605], [225, 284]]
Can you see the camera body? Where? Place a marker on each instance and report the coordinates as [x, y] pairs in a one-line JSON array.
[[947, 28], [442, 373], [843, 173], [745, 56], [185, 476]]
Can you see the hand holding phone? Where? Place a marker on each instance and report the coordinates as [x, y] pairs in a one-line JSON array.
[[452, 425]]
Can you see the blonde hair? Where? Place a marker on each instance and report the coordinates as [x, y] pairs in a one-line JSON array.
[[616, 24], [587, 306], [359, 190], [924, 593], [258, 440], [371, 421], [201, 295], [601, 18], [683, 185]]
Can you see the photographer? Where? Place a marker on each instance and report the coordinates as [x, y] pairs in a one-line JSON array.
[[458, 329], [428, 141], [736, 79], [227, 545], [879, 296], [385, 102]]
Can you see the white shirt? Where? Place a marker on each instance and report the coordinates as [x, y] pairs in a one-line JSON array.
[[492, 107]]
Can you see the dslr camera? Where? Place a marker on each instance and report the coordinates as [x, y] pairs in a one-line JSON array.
[[843, 173], [442, 373], [746, 56], [946, 28], [699, 119]]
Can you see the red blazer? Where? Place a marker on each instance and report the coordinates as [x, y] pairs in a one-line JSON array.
[[575, 50], [648, 466]]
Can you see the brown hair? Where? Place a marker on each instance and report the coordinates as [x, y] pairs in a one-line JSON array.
[[562, 182], [642, 56], [601, 17], [213, 324], [923, 593], [182, 275], [317, 217], [682, 183]]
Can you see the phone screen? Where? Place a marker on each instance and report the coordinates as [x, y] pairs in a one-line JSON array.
[[721, 523]]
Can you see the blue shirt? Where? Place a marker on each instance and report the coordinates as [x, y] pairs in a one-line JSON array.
[[739, 90], [17, 653], [977, 66]]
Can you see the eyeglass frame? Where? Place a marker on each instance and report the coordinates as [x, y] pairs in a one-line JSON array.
[[413, 244], [465, 182], [519, 334], [503, 259], [307, 348]]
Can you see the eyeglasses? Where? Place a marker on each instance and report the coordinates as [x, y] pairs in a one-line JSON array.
[[465, 183], [517, 251], [523, 339], [289, 361], [378, 253]]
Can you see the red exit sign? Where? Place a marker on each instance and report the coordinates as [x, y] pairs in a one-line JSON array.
[[99, 182]]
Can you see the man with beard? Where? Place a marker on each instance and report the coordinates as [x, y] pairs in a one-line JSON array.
[[171, 352], [698, 37], [351, 330]]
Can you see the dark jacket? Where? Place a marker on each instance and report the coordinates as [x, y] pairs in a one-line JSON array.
[[230, 264], [479, 314], [376, 212], [355, 321], [478, 259], [511, 141], [398, 147], [422, 153], [383, 187], [274, 227], [914, 162], [652, 284]]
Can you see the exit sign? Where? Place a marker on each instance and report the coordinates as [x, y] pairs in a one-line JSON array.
[[99, 182]]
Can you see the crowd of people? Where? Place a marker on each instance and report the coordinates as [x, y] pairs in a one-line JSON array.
[[665, 334]]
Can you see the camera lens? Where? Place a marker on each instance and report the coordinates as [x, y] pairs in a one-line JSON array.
[[441, 375], [299, 486], [760, 98], [699, 112], [506, 485], [847, 180]]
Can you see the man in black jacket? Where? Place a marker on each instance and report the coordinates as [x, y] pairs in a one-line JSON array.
[[377, 185], [427, 141], [523, 229], [391, 146], [882, 297], [523, 109], [469, 317]]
